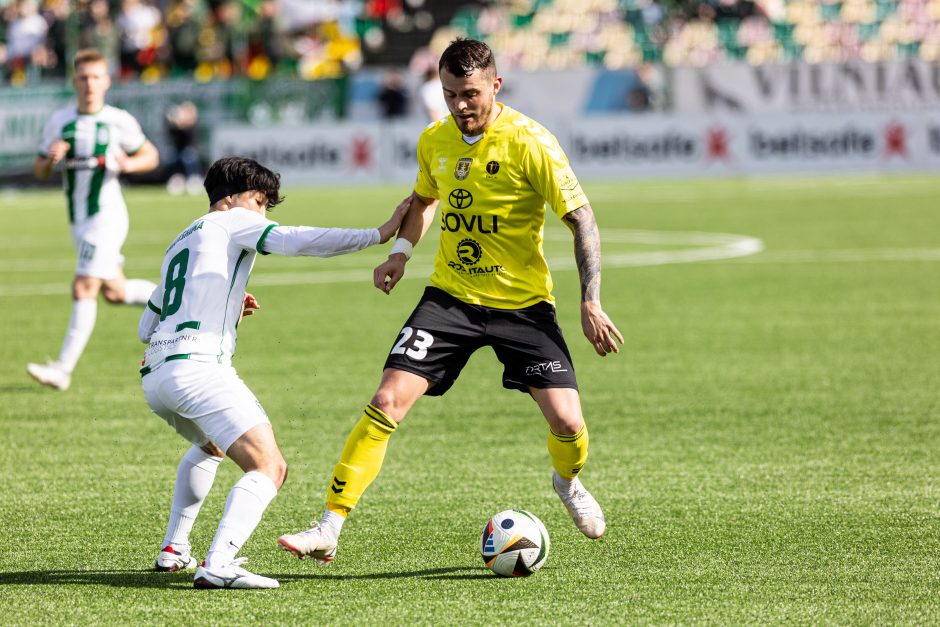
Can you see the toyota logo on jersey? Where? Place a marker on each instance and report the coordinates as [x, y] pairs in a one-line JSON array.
[[460, 198]]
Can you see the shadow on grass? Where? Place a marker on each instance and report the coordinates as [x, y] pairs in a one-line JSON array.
[[444, 574], [116, 578], [24, 387], [184, 580]]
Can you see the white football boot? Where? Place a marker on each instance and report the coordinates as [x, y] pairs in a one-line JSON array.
[[310, 543], [171, 560], [50, 374], [584, 508], [232, 575]]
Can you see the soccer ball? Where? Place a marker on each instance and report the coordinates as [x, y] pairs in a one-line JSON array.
[[514, 543]]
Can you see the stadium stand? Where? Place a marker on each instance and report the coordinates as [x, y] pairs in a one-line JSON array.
[[215, 39], [559, 34]]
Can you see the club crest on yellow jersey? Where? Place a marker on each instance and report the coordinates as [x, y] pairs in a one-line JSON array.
[[462, 171]]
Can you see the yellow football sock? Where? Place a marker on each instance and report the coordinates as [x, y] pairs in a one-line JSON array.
[[569, 452], [361, 460]]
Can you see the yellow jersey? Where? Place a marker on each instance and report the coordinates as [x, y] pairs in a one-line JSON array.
[[492, 207]]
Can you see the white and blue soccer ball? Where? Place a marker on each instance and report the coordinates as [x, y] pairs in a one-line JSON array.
[[514, 543]]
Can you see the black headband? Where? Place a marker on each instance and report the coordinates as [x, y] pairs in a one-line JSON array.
[[219, 192]]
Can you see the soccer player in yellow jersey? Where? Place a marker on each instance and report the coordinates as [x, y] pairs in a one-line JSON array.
[[493, 170]]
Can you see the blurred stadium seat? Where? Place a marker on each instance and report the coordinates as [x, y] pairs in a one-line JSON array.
[[215, 39]]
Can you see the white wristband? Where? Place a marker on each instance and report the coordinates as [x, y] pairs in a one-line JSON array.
[[402, 246]]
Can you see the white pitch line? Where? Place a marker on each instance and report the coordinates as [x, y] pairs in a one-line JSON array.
[[706, 247], [846, 255], [742, 252]]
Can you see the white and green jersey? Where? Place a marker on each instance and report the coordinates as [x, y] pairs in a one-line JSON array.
[[90, 176], [193, 312]]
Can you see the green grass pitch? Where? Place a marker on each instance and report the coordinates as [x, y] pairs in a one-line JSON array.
[[765, 445]]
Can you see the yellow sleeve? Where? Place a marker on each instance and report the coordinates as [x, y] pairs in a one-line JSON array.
[[425, 185], [551, 175]]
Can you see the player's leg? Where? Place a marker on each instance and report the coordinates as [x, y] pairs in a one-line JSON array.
[[108, 263], [431, 349], [359, 463], [568, 448], [256, 452], [365, 447], [242, 430], [194, 478], [533, 351], [195, 472], [58, 373], [207, 403], [121, 290]]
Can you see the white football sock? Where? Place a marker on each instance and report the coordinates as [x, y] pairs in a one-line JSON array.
[[563, 486], [243, 509], [332, 524], [82, 323], [194, 479], [137, 291]]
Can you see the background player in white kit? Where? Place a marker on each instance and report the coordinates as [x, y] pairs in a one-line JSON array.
[[95, 142], [188, 378]]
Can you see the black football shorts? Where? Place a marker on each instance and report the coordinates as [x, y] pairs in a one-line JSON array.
[[442, 333]]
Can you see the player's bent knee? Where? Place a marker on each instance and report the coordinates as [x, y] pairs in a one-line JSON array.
[[398, 392], [392, 404], [385, 399], [113, 295], [568, 425], [84, 290]]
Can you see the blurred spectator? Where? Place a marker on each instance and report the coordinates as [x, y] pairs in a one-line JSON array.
[[25, 35], [432, 95], [185, 170], [216, 39], [99, 32], [392, 99], [325, 50], [638, 99], [56, 13], [264, 48], [184, 25], [140, 24], [217, 42]]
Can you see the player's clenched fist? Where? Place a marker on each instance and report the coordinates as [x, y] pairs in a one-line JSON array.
[[58, 150], [387, 274]]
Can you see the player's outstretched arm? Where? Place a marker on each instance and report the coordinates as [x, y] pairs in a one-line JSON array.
[[597, 327], [417, 220], [320, 242]]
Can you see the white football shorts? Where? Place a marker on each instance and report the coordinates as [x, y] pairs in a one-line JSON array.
[[203, 401], [98, 246]]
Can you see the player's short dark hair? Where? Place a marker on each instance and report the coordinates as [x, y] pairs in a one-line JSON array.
[[463, 56], [235, 175]]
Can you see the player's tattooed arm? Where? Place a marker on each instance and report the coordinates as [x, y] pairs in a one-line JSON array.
[[587, 250], [598, 328]]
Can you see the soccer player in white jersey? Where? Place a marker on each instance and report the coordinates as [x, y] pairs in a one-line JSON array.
[[95, 143], [187, 374], [494, 171]]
